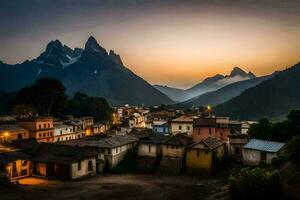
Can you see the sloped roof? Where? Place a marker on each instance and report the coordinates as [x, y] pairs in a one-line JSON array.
[[264, 145], [11, 127], [180, 140], [58, 153], [209, 143], [104, 142], [183, 118], [153, 139], [205, 122]]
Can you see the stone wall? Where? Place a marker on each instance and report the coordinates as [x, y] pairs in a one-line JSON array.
[[170, 166], [147, 164]]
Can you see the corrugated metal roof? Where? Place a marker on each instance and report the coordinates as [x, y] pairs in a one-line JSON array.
[[264, 145]]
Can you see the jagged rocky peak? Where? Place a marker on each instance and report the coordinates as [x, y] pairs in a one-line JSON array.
[[213, 78], [115, 57], [238, 72], [92, 45], [251, 75]]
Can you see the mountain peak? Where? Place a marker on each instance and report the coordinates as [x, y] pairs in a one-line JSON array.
[[115, 57], [93, 46], [238, 71]]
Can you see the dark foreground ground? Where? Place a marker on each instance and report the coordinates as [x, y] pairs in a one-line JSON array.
[[120, 187]]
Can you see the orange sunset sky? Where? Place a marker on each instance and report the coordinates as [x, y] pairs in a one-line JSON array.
[[175, 43]]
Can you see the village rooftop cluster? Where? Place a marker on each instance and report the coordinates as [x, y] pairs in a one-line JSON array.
[[165, 141]]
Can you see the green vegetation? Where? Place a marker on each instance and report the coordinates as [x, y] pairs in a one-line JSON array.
[[282, 131], [293, 149], [256, 183]]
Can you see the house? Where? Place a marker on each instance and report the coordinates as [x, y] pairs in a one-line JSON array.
[[77, 125], [203, 128], [40, 128], [236, 144], [173, 154], [256, 151], [150, 152], [162, 128], [112, 148], [14, 163], [182, 124], [100, 127], [63, 162], [10, 132], [203, 156], [63, 132]]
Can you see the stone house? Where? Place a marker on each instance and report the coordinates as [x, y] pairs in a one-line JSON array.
[[256, 151], [11, 132], [182, 124], [111, 149], [150, 152], [40, 128], [203, 157], [173, 154], [235, 147]]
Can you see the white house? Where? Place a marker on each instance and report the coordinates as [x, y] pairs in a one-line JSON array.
[[256, 151], [63, 133]]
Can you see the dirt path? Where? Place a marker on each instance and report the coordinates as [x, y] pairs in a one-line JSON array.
[[125, 187]]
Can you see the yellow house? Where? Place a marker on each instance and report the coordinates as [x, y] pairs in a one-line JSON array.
[[202, 157]]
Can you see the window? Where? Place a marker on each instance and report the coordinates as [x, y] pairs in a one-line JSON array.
[[149, 148], [90, 165], [188, 128], [40, 126], [263, 156], [164, 130], [44, 125], [44, 134], [61, 132], [48, 125], [20, 136], [109, 151], [209, 131], [48, 134], [180, 127], [57, 139], [79, 165], [51, 133], [177, 147], [24, 163], [40, 135], [117, 150], [237, 150]]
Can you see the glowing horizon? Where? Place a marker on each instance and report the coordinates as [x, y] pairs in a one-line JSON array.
[[166, 42]]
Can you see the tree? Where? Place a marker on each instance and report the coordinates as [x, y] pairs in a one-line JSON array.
[[46, 95], [83, 105], [293, 148]]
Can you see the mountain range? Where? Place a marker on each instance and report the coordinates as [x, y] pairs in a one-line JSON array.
[[91, 70], [207, 85], [271, 98]]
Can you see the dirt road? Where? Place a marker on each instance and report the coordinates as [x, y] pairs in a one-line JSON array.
[[121, 187]]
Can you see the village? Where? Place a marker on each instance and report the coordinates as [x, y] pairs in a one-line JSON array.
[[166, 142]]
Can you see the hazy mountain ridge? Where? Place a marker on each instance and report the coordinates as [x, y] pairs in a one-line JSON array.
[[272, 98], [223, 94], [207, 85], [90, 70]]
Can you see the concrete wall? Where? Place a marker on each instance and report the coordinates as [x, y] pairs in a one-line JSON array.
[[84, 171], [253, 157]]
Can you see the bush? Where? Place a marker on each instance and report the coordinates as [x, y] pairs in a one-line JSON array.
[[293, 148], [256, 183]]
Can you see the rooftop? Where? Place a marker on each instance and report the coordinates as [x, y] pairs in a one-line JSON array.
[[207, 143], [102, 142], [153, 139], [183, 118], [180, 140], [205, 122], [264, 145], [11, 127]]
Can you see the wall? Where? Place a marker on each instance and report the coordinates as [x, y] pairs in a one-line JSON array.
[[176, 151], [200, 133], [251, 157], [155, 150], [201, 163], [185, 128], [75, 173], [14, 135]]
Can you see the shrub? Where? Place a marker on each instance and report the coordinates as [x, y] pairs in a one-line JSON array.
[[255, 183], [293, 148]]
